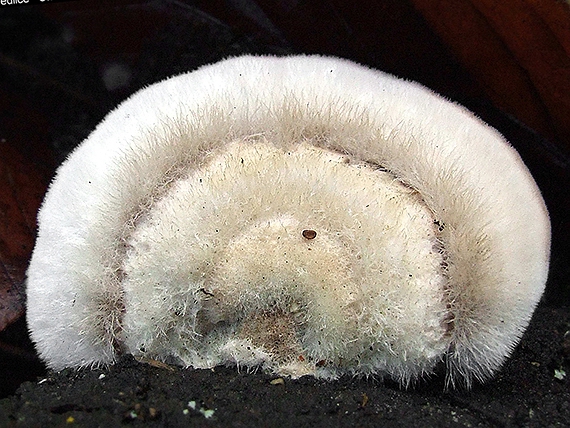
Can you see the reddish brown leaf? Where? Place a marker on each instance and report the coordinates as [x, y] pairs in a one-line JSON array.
[[517, 50], [22, 187], [19, 190]]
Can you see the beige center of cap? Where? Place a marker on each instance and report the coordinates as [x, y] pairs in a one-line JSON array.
[[229, 247]]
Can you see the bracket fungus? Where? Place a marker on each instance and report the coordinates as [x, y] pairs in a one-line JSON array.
[[303, 214]]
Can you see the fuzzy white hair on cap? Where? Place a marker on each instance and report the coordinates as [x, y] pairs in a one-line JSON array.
[[303, 214]]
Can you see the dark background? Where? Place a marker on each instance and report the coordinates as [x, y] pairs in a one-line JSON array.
[[63, 66]]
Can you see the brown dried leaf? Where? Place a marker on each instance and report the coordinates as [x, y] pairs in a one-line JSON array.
[[517, 50], [22, 186]]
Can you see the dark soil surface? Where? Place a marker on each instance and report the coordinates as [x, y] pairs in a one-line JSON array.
[[532, 390]]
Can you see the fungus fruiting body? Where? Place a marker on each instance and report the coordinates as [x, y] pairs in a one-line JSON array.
[[303, 214]]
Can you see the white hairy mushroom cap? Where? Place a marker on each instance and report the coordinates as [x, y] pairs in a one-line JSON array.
[[303, 214]]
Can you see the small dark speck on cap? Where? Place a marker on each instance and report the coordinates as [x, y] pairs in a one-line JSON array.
[[309, 234]]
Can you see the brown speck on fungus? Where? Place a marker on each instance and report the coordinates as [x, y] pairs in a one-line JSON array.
[[309, 234]]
